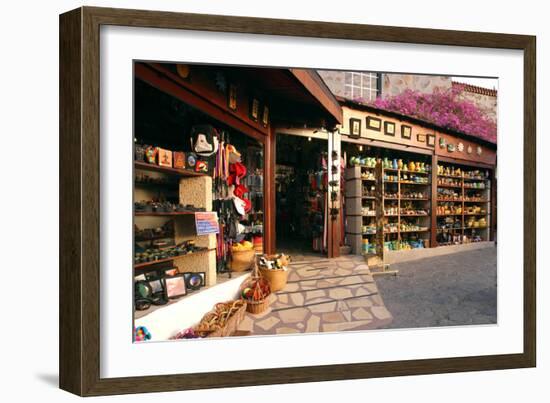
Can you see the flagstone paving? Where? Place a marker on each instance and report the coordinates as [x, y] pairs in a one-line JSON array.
[[323, 295]]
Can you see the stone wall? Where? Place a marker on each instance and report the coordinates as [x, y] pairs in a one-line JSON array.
[[393, 84], [334, 81], [486, 103]]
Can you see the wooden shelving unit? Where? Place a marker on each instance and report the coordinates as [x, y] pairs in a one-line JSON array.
[[165, 170], [404, 184], [473, 203], [460, 205]]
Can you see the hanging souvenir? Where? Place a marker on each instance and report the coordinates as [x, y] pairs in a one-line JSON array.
[[442, 142], [460, 147], [469, 149], [478, 150]]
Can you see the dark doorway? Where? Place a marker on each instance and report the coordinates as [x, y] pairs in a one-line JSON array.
[[301, 182]]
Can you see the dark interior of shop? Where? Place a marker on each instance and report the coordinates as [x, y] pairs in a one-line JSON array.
[[300, 194]]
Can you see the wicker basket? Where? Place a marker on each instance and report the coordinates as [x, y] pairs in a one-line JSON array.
[[230, 323], [258, 284], [256, 307], [242, 260], [277, 278]]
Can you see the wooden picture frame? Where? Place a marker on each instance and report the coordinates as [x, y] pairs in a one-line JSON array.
[[389, 128], [374, 123], [406, 132], [254, 109], [354, 128], [265, 116], [430, 140], [232, 97], [421, 137], [79, 280]]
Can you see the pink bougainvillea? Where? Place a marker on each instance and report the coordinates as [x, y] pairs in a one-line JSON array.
[[442, 108]]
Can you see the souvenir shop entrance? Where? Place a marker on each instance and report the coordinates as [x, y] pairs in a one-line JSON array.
[[301, 182]]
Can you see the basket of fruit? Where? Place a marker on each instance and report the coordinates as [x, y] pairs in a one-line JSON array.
[[275, 269], [255, 292], [242, 256]]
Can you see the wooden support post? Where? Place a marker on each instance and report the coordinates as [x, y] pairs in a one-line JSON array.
[[433, 203]]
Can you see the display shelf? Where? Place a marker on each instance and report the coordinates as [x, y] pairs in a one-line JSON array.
[[161, 214], [413, 199], [168, 259], [449, 186], [171, 171], [415, 183], [415, 230], [450, 214]]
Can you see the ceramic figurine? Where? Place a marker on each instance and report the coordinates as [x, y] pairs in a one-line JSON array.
[[394, 164], [417, 167], [412, 166], [400, 164]]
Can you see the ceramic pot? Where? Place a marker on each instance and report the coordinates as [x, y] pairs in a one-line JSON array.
[[412, 166], [394, 164], [400, 164]]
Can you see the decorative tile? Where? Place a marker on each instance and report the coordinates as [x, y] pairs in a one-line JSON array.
[[283, 298], [351, 280]]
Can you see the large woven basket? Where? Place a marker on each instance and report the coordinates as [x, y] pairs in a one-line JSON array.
[[242, 260], [277, 278], [230, 323]]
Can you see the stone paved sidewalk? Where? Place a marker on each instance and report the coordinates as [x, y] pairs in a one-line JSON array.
[[323, 295]]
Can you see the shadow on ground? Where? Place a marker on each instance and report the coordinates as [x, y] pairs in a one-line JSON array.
[[450, 290]]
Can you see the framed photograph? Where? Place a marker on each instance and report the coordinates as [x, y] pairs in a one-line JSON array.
[[125, 71], [232, 97], [254, 109], [374, 123], [194, 281], [265, 116], [389, 128], [175, 286], [406, 132], [355, 128], [430, 140]]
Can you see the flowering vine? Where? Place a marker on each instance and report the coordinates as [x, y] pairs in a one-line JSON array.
[[443, 108]]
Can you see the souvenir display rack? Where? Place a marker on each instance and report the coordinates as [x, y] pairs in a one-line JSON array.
[[461, 209], [463, 204]]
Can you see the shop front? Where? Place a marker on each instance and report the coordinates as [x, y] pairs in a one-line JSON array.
[[411, 185], [204, 180]]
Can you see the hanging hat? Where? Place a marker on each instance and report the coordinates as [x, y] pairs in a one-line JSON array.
[[233, 155], [206, 140], [240, 205], [240, 190], [238, 169]]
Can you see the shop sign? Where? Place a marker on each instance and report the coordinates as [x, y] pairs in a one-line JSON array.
[[207, 223]]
